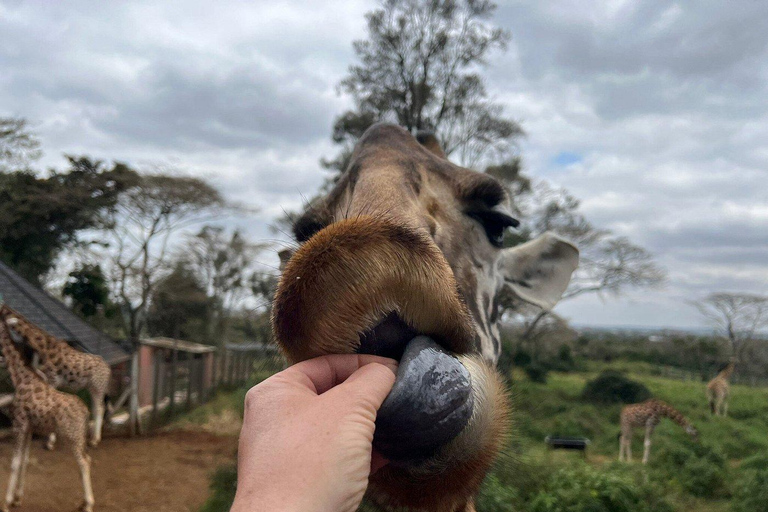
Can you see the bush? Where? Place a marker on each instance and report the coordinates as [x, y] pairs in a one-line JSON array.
[[755, 462], [701, 470], [588, 490], [223, 487], [613, 387], [521, 359], [752, 492], [536, 373], [496, 497], [703, 478]]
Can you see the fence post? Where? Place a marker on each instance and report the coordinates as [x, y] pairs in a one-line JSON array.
[[174, 368], [155, 386], [190, 377]]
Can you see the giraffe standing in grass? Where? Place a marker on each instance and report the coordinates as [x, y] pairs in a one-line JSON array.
[[719, 389], [64, 366], [39, 408], [648, 414]]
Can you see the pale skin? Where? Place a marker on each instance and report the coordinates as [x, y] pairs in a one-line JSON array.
[[307, 433]]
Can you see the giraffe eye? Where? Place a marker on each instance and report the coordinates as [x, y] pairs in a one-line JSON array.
[[495, 223]]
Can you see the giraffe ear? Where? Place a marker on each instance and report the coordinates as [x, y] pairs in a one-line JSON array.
[[430, 142], [539, 271]]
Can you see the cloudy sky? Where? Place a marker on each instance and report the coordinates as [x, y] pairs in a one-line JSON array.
[[654, 113]]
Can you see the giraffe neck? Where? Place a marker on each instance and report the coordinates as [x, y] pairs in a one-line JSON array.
[[40, 341], [727, 372], [666, 410], [18, 370]]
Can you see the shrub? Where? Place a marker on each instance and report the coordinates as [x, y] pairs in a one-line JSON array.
[[588, 490], [701, 470], [496, 497], [755, 462], [752, 492], [536, 373], [223, 487], [521, 359], [703, 478], [613, 387]]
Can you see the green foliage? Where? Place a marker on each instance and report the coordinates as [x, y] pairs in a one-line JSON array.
[[586, 489], [223, 488], [536, 373], [18, 145], [496, 497], [752, 492], [613, 387], [756, 462], [41, 216], [179, 307], [418, 67], [699, 468], [87, 287]]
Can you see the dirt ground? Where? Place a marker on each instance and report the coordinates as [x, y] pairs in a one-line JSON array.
[[166, 472]]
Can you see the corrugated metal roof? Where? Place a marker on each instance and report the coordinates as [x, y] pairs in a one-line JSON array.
[[54, 317], [180, 345]]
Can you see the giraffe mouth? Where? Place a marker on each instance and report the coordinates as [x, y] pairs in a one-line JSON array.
[[431, 401]]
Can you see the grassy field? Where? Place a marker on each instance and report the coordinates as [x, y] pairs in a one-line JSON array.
[[727, 470]]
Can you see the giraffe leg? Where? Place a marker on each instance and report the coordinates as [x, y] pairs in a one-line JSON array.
[[18, 455], [719, 406], [647, 443], [51, 443], [84, 461], [628, 449], [97, 401], [725, 407], [622, 448], [19, 494]]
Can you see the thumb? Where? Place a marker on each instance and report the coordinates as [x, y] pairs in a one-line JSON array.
[[371, 383]]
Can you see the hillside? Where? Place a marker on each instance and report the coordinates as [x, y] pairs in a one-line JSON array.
[[717, 474]]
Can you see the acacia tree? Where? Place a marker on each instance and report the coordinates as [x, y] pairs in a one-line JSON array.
[[608, 264], [222, 263], [737, 317], [138, 232], [18, 144], [418, 67]]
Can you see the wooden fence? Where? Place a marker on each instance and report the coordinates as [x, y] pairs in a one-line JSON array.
[[184, 381]]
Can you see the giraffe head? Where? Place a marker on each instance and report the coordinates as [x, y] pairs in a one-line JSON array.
[[410, 244]]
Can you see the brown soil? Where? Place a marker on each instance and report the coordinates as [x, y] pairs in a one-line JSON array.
[[166, 472]]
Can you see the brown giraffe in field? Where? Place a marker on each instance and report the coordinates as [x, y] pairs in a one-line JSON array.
[[64, 366], [404, 258], [40, 409], [719, 390], [648, 414]]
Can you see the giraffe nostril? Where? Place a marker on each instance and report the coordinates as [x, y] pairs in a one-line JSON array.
[[388, 338]]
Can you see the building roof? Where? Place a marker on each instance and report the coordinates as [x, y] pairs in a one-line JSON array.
[[255, 346], [180, 345], [54, 317]]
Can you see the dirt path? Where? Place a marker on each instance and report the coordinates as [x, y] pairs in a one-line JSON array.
[[167, 472]]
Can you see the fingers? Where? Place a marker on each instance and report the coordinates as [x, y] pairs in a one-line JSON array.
[[372, 383], [325, 372]]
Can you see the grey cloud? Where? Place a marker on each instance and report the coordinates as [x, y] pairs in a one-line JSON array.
[[665, 101]]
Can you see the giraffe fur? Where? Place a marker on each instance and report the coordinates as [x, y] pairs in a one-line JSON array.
[[648, 415]]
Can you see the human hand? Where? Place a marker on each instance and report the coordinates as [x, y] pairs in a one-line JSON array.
[[306, 439]]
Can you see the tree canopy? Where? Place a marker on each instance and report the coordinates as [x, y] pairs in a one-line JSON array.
[[418, 67], [41, 216]]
